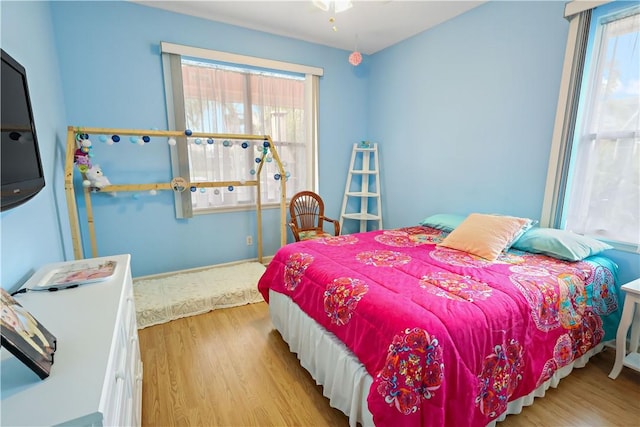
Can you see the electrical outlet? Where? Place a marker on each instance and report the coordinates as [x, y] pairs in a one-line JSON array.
[[249, 240]]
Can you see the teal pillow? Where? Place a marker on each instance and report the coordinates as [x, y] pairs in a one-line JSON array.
[[559, 244], [530, 223], [444, 222]]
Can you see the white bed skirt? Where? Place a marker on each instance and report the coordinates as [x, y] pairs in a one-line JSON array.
[[344, 379]]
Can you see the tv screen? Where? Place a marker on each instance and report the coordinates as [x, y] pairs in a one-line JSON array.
[[22, 174]]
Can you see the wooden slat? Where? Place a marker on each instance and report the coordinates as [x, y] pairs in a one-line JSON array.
[[91, 223], [72, 207], [161, 133], [167, 186]]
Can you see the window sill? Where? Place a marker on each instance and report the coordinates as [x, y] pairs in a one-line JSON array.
[[624, 247], [248, 207]]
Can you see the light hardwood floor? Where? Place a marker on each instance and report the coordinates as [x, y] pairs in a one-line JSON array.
[[230, 367]]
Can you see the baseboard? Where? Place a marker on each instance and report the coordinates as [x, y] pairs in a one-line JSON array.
[[265, 261]]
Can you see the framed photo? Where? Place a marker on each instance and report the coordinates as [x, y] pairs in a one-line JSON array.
[[25, 337]]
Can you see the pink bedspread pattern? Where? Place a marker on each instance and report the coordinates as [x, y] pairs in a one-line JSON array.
[[449, 338]]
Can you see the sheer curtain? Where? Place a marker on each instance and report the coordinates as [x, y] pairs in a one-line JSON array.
[[230, 100], [604, 176], [593, 179]]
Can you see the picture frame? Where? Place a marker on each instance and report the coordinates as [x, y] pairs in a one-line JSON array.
[[24, 337], [75, 274]]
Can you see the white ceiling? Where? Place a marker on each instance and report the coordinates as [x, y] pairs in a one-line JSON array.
[[369, 26]]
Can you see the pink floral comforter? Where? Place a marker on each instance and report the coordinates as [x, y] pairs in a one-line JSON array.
[[448, 338]]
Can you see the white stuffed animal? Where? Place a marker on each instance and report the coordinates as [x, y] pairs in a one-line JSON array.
[[95, 178]]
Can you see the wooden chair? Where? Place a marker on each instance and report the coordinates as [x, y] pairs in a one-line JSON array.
[[307, 217]]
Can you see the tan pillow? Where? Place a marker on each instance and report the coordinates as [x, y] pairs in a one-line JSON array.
[[484, 235]]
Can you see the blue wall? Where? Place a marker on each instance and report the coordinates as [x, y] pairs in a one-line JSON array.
[[37, 232], [463, 114], [112, 77]]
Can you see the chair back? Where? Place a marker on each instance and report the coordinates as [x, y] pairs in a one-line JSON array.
[[307, 211]]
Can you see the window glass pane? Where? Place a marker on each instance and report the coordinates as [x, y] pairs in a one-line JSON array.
[[235, 100]]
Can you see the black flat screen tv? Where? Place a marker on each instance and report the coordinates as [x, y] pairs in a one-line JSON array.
[[22, 174]]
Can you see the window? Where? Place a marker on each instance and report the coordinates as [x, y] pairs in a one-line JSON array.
[[250, 96], [597, 173]]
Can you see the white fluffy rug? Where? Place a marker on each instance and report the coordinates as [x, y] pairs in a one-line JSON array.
[[159, 300]]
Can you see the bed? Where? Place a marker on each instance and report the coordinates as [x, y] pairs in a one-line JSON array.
[[403, 330]]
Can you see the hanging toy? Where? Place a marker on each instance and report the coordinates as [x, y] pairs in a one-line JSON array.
[[95, 178], [355, 58], [82, 160], [82, 155]]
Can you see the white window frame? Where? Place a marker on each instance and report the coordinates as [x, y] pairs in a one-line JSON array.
[[171, 60], [578, 13]]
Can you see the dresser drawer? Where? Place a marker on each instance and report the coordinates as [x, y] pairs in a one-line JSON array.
[[115, 380]]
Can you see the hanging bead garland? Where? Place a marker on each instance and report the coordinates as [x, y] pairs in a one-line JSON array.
[[82, 157]]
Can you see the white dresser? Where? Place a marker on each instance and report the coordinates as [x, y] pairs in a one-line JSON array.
[[96, 377]]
